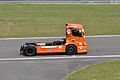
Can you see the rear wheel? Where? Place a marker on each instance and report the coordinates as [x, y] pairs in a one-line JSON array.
[[71, 49], [30, 51], [85, 53]]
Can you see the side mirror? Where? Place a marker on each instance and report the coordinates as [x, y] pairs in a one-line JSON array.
[[66, 24]]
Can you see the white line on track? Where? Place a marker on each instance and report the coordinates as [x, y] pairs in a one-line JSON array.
[[66, 57], [58, 37]]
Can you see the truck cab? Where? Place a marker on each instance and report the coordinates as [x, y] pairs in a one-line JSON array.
[[75, 39], [73, 43]]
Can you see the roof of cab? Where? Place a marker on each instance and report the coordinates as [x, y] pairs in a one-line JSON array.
[[74, 26]]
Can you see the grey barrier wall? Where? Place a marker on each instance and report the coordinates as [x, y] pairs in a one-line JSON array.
[[62, 1]]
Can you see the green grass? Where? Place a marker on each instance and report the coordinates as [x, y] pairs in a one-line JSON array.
[[37, 20], [100, 71]]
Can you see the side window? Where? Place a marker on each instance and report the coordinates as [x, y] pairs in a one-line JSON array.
[[77, 33]]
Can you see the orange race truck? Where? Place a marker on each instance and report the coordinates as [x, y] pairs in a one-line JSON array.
[[75, 42]]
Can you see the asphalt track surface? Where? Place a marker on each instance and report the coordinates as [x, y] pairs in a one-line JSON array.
[[52, 69]]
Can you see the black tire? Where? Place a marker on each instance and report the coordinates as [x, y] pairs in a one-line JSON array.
[[21, 50], [71, 50], [29, 51], [85, 53]]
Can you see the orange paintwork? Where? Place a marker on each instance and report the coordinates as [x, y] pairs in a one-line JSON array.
[[79, 42]]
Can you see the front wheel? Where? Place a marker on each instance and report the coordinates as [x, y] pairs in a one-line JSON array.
[[71, 49], [29, 51]]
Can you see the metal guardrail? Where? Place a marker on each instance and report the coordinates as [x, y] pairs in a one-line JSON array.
[[63, 1]]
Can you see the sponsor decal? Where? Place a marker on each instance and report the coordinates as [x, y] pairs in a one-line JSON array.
[[80, 47], [80, 43], [60, 46], [49, 47], [41, 44]]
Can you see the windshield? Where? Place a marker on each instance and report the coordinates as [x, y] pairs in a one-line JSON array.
[[77, 33]]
